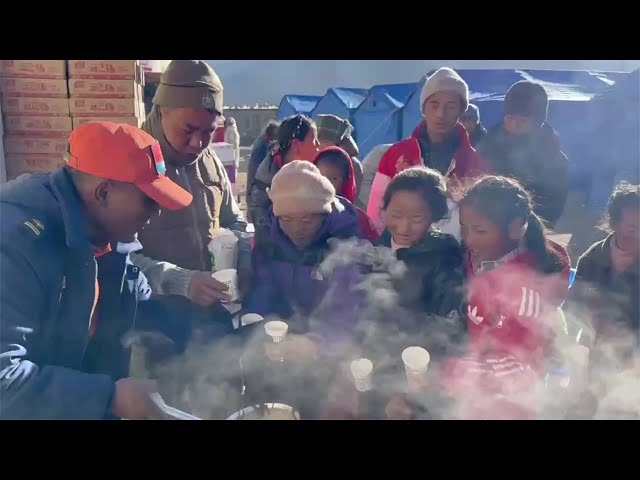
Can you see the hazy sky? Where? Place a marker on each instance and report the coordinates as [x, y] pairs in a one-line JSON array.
[[252, 81]]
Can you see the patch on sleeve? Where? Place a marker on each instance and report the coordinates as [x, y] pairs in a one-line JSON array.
[[35, 226]]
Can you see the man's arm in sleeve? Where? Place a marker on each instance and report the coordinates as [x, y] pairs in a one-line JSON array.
[[164, 278], [29, 390]]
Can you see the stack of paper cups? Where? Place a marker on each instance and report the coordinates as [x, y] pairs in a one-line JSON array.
[[361, 370], [223, 249], [277, 330], [416, 362]]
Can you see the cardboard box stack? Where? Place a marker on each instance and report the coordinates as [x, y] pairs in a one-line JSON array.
[[110, 90], [37, 121], [3, 166]]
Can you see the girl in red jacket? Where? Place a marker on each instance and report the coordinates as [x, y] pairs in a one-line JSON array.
[[335, 164], [516, 281]]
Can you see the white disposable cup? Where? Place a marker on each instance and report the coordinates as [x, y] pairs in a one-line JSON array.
[[249, 318], [578, 357], [416, 363], [224, 249], [361, 370], [230, 278], [277, 330]]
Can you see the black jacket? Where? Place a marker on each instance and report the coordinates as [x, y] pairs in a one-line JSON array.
[[609, 296], [424, 300], [50, 368], [534, 160]]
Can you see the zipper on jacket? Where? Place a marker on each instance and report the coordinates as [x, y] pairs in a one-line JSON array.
[[194, 216]]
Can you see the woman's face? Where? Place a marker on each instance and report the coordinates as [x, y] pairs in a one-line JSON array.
[[307, 148], [485, 241], [301, 228], [627, 230], [407, 217]]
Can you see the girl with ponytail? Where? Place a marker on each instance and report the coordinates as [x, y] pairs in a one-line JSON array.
[[516, 280]]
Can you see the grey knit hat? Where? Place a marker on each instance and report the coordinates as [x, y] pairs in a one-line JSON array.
[[189, 83]]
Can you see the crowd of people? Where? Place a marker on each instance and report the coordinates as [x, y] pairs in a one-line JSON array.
[[449, 250]]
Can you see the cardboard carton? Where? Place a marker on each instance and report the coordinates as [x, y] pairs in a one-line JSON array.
[[38, 126], [34, 68], [34, 87], [134, 121], [103, 107], [44, 107], [27, 144], [109, 69], [102, 88], [17, 164]]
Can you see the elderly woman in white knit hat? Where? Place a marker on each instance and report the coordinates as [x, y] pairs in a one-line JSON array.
[[289, 284], [439, 141]]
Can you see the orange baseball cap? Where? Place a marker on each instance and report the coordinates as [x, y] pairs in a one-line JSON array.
[[116, 151]]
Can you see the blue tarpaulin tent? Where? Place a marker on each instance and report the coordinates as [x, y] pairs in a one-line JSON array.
[[294, 104], [379, 118], [342, 102], [613, 145]]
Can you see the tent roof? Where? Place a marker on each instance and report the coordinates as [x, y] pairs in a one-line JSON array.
[[397, 93], [351, 97], [301, 103]]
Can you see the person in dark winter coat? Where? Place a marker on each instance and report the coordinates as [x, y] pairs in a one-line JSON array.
[[66, 301], [425, 277], [438, 142], [470, 120], [289, 280], [297, 139], [338, 132], [607, 281], [525, 147], [259, 151], [336, 165]]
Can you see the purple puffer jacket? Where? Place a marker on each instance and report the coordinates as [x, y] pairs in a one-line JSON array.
[[289, 284]]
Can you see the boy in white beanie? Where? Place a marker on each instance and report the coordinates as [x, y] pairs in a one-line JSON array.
[[289, 284], [439, 141]]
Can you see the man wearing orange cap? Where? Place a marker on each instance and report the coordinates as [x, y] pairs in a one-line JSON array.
[[65, 308]]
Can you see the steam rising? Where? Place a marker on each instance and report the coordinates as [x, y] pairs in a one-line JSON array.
[[207, 379]]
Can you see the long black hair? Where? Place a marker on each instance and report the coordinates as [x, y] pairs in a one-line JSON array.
[[293, 128], [503, 200]]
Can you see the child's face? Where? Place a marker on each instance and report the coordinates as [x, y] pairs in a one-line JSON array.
[[485, 240], [333, 173], [301, 228], [408, 217], [628, 230]]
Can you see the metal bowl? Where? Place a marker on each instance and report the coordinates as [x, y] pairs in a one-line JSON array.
[[266, 411]]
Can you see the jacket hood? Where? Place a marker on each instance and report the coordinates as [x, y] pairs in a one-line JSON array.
[[349, 186], [342, 222]]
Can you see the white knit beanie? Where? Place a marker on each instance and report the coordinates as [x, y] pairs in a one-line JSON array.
[[299, 187], [445, 80]]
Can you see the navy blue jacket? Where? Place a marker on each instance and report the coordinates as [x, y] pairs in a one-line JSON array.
[[50, 368]]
